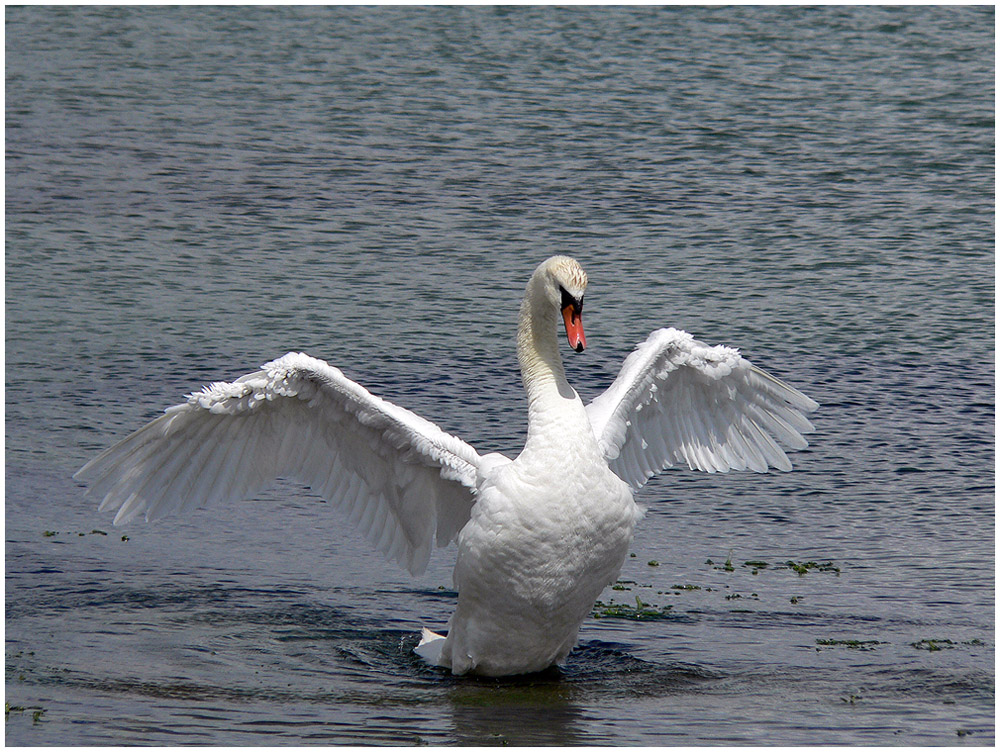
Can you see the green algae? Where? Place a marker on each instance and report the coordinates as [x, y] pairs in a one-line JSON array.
[[639, 612]]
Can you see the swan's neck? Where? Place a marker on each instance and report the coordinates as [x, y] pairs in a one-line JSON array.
[[538, 355]]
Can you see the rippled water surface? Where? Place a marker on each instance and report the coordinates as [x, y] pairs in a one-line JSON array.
[[192, 192]]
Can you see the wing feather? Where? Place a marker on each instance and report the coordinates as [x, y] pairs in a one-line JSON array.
[[402, 480], [678, 400]]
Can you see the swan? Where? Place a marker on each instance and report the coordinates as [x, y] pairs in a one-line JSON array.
[[539, 536]]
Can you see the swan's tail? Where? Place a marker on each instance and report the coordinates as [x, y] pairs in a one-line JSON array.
[[431, 644]]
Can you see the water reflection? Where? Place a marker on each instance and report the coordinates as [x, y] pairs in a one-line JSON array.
[[548, 708], [211, 195], [517, 712]]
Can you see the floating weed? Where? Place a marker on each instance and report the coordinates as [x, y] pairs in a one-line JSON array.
[[849, 644], [653, 563], [756, 565], [95, 531], [639, 612], [686, 587], [805, 567], [36, 714], [932, 646], [727, 567]]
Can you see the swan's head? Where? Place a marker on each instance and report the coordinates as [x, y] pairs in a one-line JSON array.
[[564, 284]]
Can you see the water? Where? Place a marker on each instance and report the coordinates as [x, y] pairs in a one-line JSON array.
[[194, 191]]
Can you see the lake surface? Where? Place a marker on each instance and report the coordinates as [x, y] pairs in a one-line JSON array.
[[191, 192]]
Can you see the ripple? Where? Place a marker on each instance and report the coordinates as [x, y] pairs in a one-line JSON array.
[[812, 185]]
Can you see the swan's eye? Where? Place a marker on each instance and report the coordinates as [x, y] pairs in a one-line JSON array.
[[569, 300]]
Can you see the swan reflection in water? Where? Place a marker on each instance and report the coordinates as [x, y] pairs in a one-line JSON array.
[[539, 536], [548, 708], [539, 714]]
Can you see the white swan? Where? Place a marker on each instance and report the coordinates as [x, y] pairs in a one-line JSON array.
[[540, 536]]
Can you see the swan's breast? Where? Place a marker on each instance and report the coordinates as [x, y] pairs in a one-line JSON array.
[[553, 539]]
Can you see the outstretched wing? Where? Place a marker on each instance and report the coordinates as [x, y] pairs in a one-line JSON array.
[[678, 400], [399, 477]]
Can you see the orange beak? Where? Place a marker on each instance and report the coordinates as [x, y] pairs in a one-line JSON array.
[[573, 316]]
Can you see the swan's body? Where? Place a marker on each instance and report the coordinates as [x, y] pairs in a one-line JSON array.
[[540, 536]]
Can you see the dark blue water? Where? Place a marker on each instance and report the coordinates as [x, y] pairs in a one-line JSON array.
[[192, 192]]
